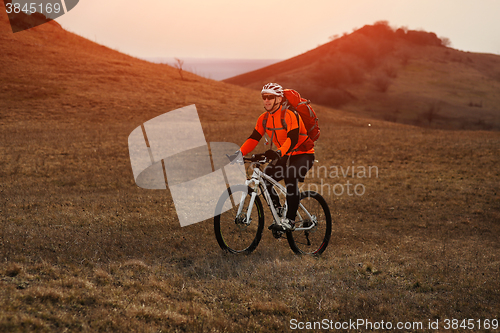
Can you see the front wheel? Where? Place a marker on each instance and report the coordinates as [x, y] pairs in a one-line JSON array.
[[238, 233], [313, 225]]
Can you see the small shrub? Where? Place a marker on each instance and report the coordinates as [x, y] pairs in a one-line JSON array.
[[381, 83], [431, 114], [475, 105], [13, 270], [405, 58], [391, 71], [445, 41], [401, 33], [380, 30], [423, 38], [482, 124], [392, 116]]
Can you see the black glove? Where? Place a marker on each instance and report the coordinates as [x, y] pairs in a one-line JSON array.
[[273, 155]]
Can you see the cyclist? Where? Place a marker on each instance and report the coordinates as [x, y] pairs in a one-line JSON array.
[[294, 155]]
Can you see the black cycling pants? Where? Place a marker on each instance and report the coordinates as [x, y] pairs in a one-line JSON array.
[[298, 166]]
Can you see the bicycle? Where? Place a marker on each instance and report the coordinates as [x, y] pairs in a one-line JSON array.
[[239, 215]]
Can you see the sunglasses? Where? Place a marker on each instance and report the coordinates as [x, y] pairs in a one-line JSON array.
[[268, 97]]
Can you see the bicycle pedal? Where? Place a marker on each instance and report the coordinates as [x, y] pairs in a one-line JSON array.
[[277, 234]]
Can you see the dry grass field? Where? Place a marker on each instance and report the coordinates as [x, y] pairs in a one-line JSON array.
[[83, 249]]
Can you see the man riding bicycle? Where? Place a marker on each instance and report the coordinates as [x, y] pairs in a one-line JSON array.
[[294, 156]]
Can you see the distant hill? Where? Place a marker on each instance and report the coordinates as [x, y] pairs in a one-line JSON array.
[[50, 74], [51, 77], [397, 75]]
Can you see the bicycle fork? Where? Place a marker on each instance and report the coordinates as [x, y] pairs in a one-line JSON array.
[[250, 206]]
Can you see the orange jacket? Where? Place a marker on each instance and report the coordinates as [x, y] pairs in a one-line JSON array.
[[287, 141]]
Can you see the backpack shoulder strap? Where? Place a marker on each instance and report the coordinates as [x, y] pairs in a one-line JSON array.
[[272, 129], [283, 121], [264, 121]]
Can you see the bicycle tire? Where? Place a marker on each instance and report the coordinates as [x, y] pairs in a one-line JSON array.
[[232, 235], [314, 241]]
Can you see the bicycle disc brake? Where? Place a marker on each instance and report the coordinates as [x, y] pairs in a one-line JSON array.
[[241, 221]]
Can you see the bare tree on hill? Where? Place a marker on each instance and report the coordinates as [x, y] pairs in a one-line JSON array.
[[432, 112], [179, 64]]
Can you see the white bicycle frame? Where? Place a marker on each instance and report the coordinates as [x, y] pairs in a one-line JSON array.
[[257, 178]]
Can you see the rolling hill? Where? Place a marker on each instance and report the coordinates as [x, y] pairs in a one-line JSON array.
[[396, 75], [70, 77], [83, 249]]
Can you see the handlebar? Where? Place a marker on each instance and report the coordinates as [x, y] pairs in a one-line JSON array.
[[256, 158]]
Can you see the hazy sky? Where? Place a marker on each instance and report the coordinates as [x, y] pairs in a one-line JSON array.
[[272, 29]]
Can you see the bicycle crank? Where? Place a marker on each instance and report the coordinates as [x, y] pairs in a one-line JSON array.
[[277, 233]]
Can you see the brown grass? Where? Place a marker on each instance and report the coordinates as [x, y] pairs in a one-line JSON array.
[[84, 249]]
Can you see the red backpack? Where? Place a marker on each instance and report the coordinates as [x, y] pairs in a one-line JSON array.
[[306, 112], [295, 103]]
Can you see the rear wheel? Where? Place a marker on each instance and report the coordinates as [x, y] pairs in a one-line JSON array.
[[313, 212], [238, 233]]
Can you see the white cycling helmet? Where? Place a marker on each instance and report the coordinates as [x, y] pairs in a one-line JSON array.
[[272, 88]]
